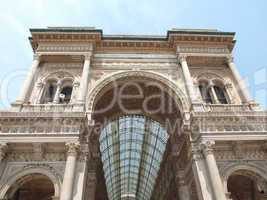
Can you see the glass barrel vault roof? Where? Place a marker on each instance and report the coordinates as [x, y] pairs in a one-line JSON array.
[[131, 149]]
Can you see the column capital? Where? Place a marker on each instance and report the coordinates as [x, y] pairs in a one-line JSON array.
[[72, 148], [196, 153], [3, 149], [210, 83], [36, 56], [59, 83], [88, 55], [181, 57], [230, 59], [228, 85], [76, 83], [207, 147]]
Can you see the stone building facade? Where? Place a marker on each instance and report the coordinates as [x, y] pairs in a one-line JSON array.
[[133, 117]]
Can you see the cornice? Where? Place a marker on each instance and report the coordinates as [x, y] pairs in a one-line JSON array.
[[131, 42]]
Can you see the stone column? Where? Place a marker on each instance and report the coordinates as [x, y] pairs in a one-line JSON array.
[[213, 93], [56, 97], [212, 167], [84, 79], [203, 186], [3, 149], [228, 89], [246, 98], [187, 76], [38, 97], [69, 175], [29, 80]]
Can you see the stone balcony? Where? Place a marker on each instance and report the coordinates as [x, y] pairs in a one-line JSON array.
[[48, 108], [223, 108]]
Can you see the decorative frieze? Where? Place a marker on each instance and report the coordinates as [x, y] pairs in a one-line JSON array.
[[200, 49], [72, 148], [64, 47], [53, 125], [32, 157], [229, 122]]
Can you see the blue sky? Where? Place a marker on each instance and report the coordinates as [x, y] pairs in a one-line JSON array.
[[245, 17]]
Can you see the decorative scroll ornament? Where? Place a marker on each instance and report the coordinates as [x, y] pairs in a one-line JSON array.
[[73, 148]]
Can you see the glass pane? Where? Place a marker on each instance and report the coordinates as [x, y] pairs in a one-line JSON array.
[[220, 93], [131, 149]]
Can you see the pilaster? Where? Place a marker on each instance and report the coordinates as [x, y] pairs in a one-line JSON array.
[[246, 98], [85, 78], [207, 148], [29, 80], [69, 175], [204, 189]]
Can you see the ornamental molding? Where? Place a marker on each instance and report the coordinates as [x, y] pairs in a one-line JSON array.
[[72, 148], [239, 150], [210, 75], [32, 157], [253, 169], [134, 45], [181, 100], [207, 147], [58, 75], [68, 67], [4, 115], [201, 49], [67, 47], [17, 171], [210, 123], [51, 125]]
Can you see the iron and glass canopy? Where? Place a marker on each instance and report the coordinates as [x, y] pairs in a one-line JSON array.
[[131, 149]]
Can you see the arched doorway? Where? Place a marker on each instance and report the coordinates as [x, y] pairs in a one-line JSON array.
[[128, 113], [32, 187], [246, 185]]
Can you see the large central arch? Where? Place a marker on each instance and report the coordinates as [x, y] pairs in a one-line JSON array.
[[180, 97], [101, 95]]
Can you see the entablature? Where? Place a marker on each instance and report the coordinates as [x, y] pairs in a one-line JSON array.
[[48, 39], [233, 124], [42, 123]]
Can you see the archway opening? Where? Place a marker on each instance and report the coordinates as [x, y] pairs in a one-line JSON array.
[[242, 186], [32, 187], [138, 119]]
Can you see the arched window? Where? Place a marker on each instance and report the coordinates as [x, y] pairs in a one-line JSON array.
[[65, 94], [220, 94], [49, 92], [244, 184], [32, 187], [205, 92], [213, 92]]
